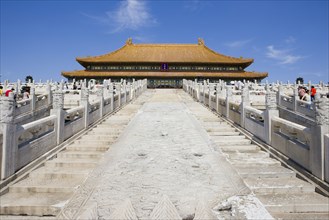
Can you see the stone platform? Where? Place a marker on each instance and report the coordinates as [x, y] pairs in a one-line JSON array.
[[164, 151], [174, 159]]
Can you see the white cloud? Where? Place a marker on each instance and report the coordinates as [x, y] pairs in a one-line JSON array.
[[238, 44], [131, 14], [192, 5], [283, 56], [290, 40]]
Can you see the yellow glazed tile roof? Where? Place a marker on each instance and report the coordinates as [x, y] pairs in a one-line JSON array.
[[161, 53]]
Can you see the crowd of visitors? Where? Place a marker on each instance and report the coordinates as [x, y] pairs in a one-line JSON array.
[[306, 94], [22, 95]]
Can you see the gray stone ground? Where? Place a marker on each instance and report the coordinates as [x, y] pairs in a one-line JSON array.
[[164, 151]]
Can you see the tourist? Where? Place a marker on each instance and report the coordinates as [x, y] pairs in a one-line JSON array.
[[1, 88], [9, 91], [306, 97], [26, 94], [313, 92], [301, 92]]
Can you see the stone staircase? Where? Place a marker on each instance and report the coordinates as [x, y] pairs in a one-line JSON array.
[[284, 195], [46, 190]]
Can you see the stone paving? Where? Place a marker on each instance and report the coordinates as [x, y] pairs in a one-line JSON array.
[[164, 151]]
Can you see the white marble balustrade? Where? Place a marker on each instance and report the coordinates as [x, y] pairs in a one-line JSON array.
[[23, 143], [296, 128]]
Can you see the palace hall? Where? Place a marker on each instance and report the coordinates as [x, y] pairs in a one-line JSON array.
[[164, 65]]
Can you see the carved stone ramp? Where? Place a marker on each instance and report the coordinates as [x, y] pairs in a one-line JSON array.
[[283, 194], [203, 211], [165, 210], [124, 211], [47, 189], [163, 151]]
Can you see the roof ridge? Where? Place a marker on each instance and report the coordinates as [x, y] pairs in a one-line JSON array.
[[230, 57], [165, 44], [103, 55]]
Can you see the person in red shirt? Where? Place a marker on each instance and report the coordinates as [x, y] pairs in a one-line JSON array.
[[9, 91], [313, 91]]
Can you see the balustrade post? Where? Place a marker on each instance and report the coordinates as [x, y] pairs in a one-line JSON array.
[[223, 90], [118, 91], [9, 141], [278, 95], [84, 101], [144, 85], [228, 98], [100, 96], [133, 89], [50, 94], [111, 96], [127, 91], [309, 85], [318, 130], [195, 83], [210, 90], [136, 88], [33, 99], [217, 96], [204, 92], [61, 85], [199, 92], [5, 85], [270, 112], [58, 104], [19, 85], [190, 91], [245, 101], [105, 88], [124, 92], [295, 98]]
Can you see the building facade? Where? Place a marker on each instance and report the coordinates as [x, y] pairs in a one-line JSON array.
[[164, 65]]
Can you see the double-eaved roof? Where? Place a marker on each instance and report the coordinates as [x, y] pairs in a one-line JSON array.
[[157, 54]]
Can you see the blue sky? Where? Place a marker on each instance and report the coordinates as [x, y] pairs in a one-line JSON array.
[[287, 39]]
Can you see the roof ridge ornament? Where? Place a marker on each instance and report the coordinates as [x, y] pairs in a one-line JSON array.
[[200, 41], [129, 41]]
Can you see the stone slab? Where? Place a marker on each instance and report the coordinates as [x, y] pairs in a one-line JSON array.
[[302, 203], [264, 171], [230, 142], [223, 133], [80, 154], [93, 147], [79, 163], [278, 185], [240, 148], [302, 216], [257, 155], [46, 185], [251, 161], [38, 204], [59, 172]]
